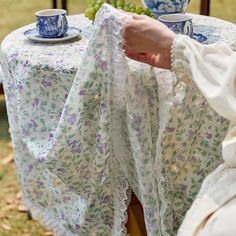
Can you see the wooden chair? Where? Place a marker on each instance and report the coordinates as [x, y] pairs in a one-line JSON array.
[[1, 86], [63, 4], [205, 7], [136, 224], [1, 89]]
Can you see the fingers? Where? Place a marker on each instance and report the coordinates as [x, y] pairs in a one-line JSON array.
[[151, 59], [141, 57], [126, 48], [132, 16], [129, 34], [133, 36], [138, 17], [131, 54]]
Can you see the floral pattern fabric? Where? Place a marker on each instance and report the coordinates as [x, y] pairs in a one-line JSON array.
[[88, 128]]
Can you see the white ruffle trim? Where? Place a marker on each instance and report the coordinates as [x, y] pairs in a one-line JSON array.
[[179, 61]]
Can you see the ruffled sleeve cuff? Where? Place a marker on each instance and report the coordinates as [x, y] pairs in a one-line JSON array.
[[179, 60]]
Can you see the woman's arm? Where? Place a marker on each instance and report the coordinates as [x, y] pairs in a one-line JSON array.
[[211, 67]]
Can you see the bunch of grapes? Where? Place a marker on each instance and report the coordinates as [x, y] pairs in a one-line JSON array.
[[94, 6]]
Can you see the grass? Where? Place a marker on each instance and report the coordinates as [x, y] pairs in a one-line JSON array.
[[14, 14]]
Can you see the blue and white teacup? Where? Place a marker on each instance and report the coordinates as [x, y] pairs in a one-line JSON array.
[[179, 23], [51, 23]]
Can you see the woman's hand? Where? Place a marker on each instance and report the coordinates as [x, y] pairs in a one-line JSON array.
[[148, 41]]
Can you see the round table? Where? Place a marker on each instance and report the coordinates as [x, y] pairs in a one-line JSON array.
[[44, 74], [66, 56]]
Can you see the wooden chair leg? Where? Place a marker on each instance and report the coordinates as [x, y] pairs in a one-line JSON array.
[[205, 7], [54, 3], [133, 227], [64, 4], [136, 224], [1, 89]]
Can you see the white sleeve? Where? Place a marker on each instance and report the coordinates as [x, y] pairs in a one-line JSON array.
[[213, 69]]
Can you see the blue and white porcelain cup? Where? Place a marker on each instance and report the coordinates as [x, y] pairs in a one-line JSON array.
[[179, 23], [162, 7], [51, 23]]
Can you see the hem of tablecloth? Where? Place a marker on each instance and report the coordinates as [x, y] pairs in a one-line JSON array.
[[45, 218]]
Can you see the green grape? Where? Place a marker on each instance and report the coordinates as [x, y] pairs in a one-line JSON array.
[[90, 13], [120, 4], [128, 6], [100, 2], [97, 7], [147, 11], [113, 2], [93, 2], [132, 6], [139, 10]]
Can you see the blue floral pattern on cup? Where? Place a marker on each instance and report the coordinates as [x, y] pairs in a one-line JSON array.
[[52, 26], [160, 7], [179, 23]]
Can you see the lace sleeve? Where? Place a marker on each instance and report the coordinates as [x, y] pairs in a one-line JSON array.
[[179, 63]]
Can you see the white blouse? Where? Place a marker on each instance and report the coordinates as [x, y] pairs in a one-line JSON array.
[[213, 69]]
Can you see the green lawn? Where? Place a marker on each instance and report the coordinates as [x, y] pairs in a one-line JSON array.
[[16, 13]]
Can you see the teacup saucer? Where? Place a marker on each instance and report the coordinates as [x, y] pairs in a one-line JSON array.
[[33, 35], [199, 37]]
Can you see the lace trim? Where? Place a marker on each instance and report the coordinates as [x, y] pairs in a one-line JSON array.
[[119, 95], [118, 104], [172, 53], [115, 25], [165, 105], [179, 64]]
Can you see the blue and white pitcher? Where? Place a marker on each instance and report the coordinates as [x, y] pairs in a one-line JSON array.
[[161, 7]]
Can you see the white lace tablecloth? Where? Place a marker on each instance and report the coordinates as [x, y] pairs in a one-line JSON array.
[[186, 138]]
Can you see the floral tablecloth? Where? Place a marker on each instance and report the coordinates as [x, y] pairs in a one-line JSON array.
[[182, 144]]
